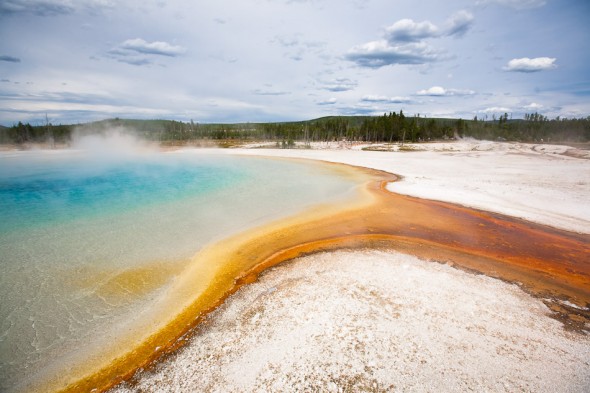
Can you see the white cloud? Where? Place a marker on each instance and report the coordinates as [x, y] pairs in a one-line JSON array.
[[438, 91], [151, 48], [377, 54], [533, 106], [459, 23], [385, 99], [460, 92], [406, 30], [339, 84], [368, 68], [287, 41], [139, 52], [404, 42], [433, 91], [268, 92], [39, 7], [330, 101], [496, 109], [531, 65], [51, 7], [516, 4], [298, 49]]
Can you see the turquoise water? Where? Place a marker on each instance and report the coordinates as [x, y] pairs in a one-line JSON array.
[[45, 190], [71, 222]]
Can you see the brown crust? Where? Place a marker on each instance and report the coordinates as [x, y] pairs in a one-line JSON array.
[[546, 262]]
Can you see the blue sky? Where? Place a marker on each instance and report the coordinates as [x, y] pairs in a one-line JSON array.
[[275, 60]]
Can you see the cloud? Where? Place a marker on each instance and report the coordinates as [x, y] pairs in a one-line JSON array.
[[37, 7], [364, 108], [406, 30], [220, 56], [404, 42], [516, 4], [160, 48], [339, 84], [140, 52], [531, 65], [296, 49], [459, 23], [286, 41], [136, 61], [496, 109], [62, 97], [438, 91], [384, 99], [533, 106], [375, 105], [9, 59], [330, 101], [51, 7], [377, 54], [433, 91], [359, 110], [261, 92]]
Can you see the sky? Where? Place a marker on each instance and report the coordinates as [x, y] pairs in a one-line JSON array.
[[75, 61]]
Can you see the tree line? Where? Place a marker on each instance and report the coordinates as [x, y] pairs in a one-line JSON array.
[[390, 127]]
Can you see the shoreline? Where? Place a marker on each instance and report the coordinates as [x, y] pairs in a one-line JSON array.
[[300, 236], [376, 321], [551, 186], [190, 298]]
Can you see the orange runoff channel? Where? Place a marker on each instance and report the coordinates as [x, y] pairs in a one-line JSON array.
[[546, 262]]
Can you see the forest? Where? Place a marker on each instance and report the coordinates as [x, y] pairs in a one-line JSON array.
[[390, 127]]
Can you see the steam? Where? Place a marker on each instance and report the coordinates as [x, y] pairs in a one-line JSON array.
[[112, 143]]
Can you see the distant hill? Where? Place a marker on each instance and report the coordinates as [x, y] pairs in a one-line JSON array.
[[391, 127]]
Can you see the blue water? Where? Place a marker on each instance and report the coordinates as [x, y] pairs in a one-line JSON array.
[[71, 222], [44, 190]]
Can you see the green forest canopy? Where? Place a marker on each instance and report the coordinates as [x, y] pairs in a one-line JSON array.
[[391, 127]]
